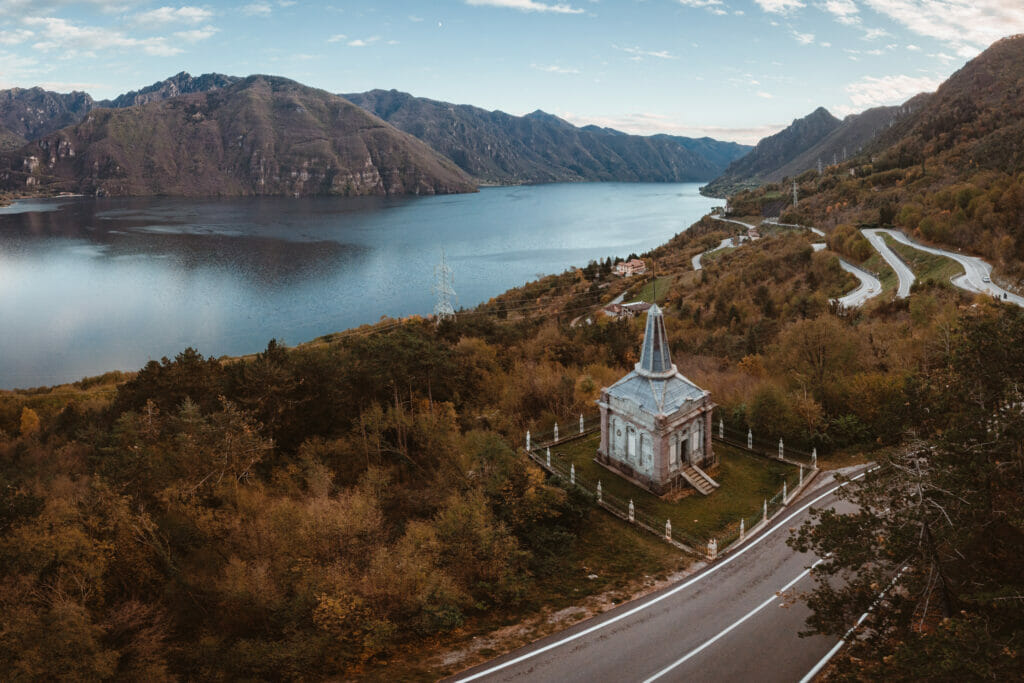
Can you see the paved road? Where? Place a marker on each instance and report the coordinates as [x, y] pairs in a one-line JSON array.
[[870, 286], [748, 226], [977, 273], [816, 231], [725, 623], [905, 275], [727, 242]]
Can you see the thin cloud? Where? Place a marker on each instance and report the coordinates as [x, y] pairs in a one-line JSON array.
[[171, 15], [527, 6], [872, 91], [198, 34], [958, 22], [765, 95], [72, 40], [803, 38], [554, 69], [780, 6], [713, 6], [15, 37], [257, 9], [640, 54], [845, 11], [337, 38], [363, 42]]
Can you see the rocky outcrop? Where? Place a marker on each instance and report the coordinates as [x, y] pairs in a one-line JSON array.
[[28, 114], [180, 84]]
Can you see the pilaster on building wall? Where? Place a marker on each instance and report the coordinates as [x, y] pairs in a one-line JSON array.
[[654, 421]]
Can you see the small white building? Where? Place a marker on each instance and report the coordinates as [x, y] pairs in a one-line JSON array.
[[655, 423]]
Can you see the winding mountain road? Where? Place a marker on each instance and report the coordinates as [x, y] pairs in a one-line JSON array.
[[817, 231], [870, 286], [737, 619], [977, 275], [727, 242], [903, 273]]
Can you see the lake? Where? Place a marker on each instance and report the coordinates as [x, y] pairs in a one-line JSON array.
[[90, 285]]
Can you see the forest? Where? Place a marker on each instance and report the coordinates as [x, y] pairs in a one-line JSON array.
[[311, 512]]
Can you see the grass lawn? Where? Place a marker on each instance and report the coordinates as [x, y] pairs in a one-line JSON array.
[[647, 291], [746, 481], [924, 265], [877, 265], [715, 255]]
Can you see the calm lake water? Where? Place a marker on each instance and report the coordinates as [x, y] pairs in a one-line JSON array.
[[90, 285]]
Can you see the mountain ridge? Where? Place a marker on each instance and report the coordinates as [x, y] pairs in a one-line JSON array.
[[773, 152], [497, 147], [262, 135]]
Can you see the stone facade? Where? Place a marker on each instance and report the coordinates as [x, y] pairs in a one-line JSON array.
[[654, 421]]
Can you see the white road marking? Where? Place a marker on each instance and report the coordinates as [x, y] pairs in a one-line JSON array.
[[842, 641], [683, 586], [726, 630]]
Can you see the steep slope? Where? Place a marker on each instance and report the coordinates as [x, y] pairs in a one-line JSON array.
[[179, 84], [774, 152], [500, 148], [976, 117], [719, 153], [27, 114], [855, 133], [260, 136], [949, 172]]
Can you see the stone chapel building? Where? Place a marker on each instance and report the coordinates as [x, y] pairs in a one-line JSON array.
[[655, 423]]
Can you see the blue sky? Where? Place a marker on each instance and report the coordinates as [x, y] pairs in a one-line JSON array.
[[732, 69]]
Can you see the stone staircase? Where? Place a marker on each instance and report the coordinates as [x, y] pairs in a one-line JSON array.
[[696, 478]]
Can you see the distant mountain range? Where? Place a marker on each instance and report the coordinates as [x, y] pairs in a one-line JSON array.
[[496, 147], [261, 135], [137, 143], [819, 136]]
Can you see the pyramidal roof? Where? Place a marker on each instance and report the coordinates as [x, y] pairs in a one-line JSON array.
[[655, 360], [655, 385]]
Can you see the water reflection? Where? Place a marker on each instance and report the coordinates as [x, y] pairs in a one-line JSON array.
[[89, 285]]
